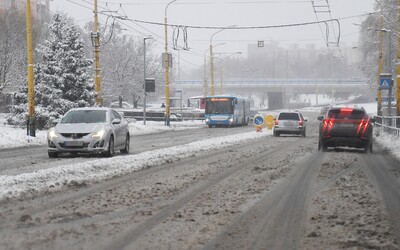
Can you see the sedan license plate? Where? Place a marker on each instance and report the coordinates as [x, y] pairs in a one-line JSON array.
[[74, 143]]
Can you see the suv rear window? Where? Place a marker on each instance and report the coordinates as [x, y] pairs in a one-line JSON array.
[[288, 116], [350, 114]]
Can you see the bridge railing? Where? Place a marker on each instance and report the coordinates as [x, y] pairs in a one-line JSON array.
[[351, 82], [388, 124]]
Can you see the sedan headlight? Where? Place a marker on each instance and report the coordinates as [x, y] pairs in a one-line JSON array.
[[231, 119], [99, 134], [52, 134]]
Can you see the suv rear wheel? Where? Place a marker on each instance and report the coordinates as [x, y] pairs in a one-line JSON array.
[[322, 145], [368, 147]]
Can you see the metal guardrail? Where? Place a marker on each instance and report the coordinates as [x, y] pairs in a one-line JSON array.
[[160, 115], [388, 124]]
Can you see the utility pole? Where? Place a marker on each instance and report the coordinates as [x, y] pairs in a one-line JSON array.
[[389, 34], [144, 79], [379, 111], [96, 38], [212, 60], [31, 85], [212, 70], [205, 76], [167, 108], [220, 72], [398, 71]]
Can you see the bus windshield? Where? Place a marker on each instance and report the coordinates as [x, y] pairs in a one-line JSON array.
[[219, 106]]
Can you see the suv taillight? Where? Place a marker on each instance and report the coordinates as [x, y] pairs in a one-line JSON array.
[[276, 122], [363, 123], [328, 122], [301, 122]]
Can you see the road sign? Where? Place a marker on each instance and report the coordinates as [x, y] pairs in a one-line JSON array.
[[150, 85], [258, 120], [269, 121], [385, 81], [163, 56]]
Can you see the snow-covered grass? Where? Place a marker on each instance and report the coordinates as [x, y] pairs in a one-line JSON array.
[[12, 137], [138, 128]]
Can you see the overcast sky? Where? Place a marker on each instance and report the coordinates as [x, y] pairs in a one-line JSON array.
[[223, 13]]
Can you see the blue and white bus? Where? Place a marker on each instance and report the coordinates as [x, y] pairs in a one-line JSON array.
[[227, 110]]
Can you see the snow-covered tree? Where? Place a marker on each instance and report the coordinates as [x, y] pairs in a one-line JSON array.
[[63, 78], [369, 40]]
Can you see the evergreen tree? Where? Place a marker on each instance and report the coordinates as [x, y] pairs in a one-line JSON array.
[[62, 80]]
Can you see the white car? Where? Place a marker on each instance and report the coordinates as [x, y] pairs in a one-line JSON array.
[[89, 130], [290, 123], [125, 105]]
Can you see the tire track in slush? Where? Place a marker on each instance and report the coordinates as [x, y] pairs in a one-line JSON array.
[[376, 167], [127, 240], [275, 222]]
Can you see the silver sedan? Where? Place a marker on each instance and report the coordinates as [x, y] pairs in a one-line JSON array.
[[89, 130]]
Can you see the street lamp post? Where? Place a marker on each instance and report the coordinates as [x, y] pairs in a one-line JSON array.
[[211, 59], [398, 71], [390, 71], [167, 108], [221, 64], [205, 67], [205, 74], [144, 78], [380, 63]]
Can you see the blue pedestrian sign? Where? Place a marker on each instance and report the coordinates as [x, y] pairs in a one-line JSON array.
[[385, 81]]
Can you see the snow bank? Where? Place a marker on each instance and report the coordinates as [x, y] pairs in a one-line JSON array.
[[54, 179]]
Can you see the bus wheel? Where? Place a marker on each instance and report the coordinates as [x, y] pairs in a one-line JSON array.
[[210, 126]]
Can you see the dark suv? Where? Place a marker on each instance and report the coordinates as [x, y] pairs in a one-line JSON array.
[[349, 127]]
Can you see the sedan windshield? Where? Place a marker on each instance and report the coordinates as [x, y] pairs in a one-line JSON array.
[[85, 116]]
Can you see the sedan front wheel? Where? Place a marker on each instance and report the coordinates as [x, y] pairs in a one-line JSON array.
[[110, 151], [126, 149]]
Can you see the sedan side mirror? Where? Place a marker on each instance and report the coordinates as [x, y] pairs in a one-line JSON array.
[[320, 118], [116, 121]]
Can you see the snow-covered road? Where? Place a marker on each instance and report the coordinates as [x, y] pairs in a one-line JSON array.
[[56, 177]]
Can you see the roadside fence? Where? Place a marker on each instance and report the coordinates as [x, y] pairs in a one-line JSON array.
[[388, 124]]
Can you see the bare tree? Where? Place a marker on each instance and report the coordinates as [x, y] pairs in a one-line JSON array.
[[122, 64], [13, 48]]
